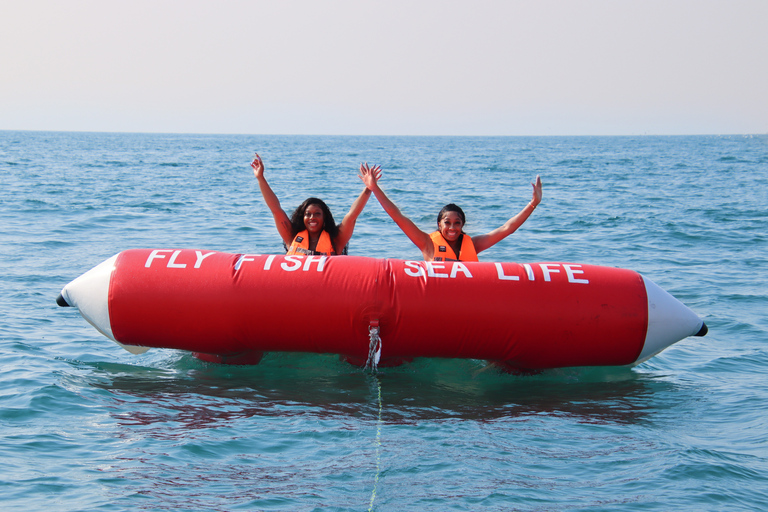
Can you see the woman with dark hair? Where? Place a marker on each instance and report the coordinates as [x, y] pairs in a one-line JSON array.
[[449, 242], [310, 229]]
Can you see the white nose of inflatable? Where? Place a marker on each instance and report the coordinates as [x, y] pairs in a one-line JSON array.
[[669, 321], [525, 316], [89, 293]]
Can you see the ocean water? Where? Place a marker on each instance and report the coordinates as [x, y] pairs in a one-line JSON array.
[[86, 426]]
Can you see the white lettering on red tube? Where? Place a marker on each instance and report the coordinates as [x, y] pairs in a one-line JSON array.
[[242, 259], [574, 273], [547, 270], [460, 267], [529, 271], [155, 254], [320, 260], [201, 257], [433, 267], [502, 276], [413, 269], [570, 271], [291, 263], [172, 262]]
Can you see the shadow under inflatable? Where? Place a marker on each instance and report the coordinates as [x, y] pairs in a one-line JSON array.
[[426, 389]]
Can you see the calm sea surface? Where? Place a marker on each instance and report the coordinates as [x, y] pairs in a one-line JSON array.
[[85, 425]]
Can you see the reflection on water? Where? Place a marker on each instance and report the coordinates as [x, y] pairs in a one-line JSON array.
[[199, 395], [305, 428]]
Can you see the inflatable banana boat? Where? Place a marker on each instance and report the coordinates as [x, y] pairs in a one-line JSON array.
[[231, 308]]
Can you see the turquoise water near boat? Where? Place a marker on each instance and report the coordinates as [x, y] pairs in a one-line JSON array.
[[85, 425]]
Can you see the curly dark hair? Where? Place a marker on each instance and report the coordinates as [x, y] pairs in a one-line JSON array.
[[451, 208], [297, 218]]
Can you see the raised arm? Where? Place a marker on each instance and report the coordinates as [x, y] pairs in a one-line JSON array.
[[282, 222], [370, 176], [347, 226], [483, 242]]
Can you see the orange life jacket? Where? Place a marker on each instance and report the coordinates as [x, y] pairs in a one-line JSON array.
[[300, 245], [444, 252]]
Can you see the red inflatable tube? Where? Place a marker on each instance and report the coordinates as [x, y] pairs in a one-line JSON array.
[[233, 307]]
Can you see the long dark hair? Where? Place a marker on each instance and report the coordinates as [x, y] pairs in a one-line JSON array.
[[451, 208], [297, 218]]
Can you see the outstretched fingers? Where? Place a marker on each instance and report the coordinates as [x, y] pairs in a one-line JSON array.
[[257, 165], [369, 175], [537, 190]]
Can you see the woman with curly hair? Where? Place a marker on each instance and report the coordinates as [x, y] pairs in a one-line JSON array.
[[310, 229]]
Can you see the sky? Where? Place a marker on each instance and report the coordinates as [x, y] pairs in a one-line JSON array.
[[394, 67]]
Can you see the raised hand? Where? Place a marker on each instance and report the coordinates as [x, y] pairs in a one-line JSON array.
[[536, 191], [370, 175], [258, 166]]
